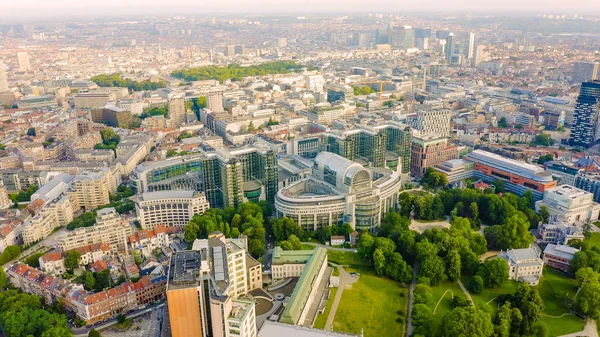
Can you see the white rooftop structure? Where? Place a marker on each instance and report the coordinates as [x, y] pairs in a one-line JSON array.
[[570, 204], [276, 329], [520, 168]]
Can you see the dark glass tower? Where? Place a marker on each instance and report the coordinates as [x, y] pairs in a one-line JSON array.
[[584, 131]]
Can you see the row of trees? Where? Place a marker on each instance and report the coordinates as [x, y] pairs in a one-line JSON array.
[[247, 219], [115, 80], [421, 205], [236, 72], [386, 260], [96, 281], [363, 90], [163, 111]]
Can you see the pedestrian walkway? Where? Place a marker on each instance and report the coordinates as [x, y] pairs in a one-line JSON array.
[[460, 284], [345, 279], [409, 325], [590, 330]]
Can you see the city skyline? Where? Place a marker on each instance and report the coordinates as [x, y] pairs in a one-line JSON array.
[[38, 8]]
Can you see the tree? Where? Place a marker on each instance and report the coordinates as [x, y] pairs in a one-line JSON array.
[[3, 279], [545, 158], [433, 268], [453, 265], [502, 122], [94, 333], [422, 319], [72, 258], [540, 329], [516, 232], [31, 132], [121, 318], [109, 136], [588, 301], [426, 249], [494, 272], [499, 185], [587, 229], [10, 253], [89, 281], [503, 321], [434, 179], [543, 140], [34, 260], [379, 262], [586, 275], [544, 213], [366, 246], [530, 304], [476, 285], [461, 322], [422, 294], [251, 126]]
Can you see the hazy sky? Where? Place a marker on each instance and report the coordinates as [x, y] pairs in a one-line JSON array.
[[57, 8]]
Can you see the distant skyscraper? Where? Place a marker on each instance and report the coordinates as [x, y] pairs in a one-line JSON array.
[[585, 130], [3, 79], [449, 48], [23, 59], [469, 50], [585, 71], [477, 55]]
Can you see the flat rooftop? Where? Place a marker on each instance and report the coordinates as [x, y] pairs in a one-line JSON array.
[[568, 191], [185, 268]]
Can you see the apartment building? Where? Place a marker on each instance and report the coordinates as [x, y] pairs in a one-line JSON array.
[[110, 228], [91, 189], [146, 241], [51, 216], [169, 208], [254, 275]]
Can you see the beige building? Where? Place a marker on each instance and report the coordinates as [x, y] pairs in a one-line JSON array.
[[93, 99], [176, 111], [5, 201], [53, 215], [110, 228], [254, 275], [169, 208], [91, 189], [524, 265], [569, 204]]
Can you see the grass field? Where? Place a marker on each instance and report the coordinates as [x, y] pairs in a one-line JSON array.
[[322, 318], [445, 305], [488, 294], [372, 304], [346, 259], [594, 240], [554, 288]]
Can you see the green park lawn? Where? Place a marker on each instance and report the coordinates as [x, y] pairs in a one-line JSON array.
[[489, 294], [594, 240], [445, 302], [322, 318], [372, 304], [345, 258], [554, 288]]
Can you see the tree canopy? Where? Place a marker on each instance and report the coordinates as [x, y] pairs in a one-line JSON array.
[[235, 71], [115, 80]]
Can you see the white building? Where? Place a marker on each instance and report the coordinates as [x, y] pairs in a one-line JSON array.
[[339, 191], [558, 232], [524, 264], [569, 204], [169, 208], [430, 121], [146, 241]]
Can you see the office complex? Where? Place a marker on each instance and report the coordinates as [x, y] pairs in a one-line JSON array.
[[569, 204], [431, 121], [227, 177], [112, 116], [586, 122], [585, 71], [340, 191], [23, 58], [309, 266], [429, 152], [169, 208], [202, 294], [517, 176], [338, 92]]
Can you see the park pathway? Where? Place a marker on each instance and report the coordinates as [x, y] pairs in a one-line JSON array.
[[353, 250], [461, 285], [590, 330], [345, 278], [409, 325]]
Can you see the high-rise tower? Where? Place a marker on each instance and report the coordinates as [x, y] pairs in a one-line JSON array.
[[586, 124]]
